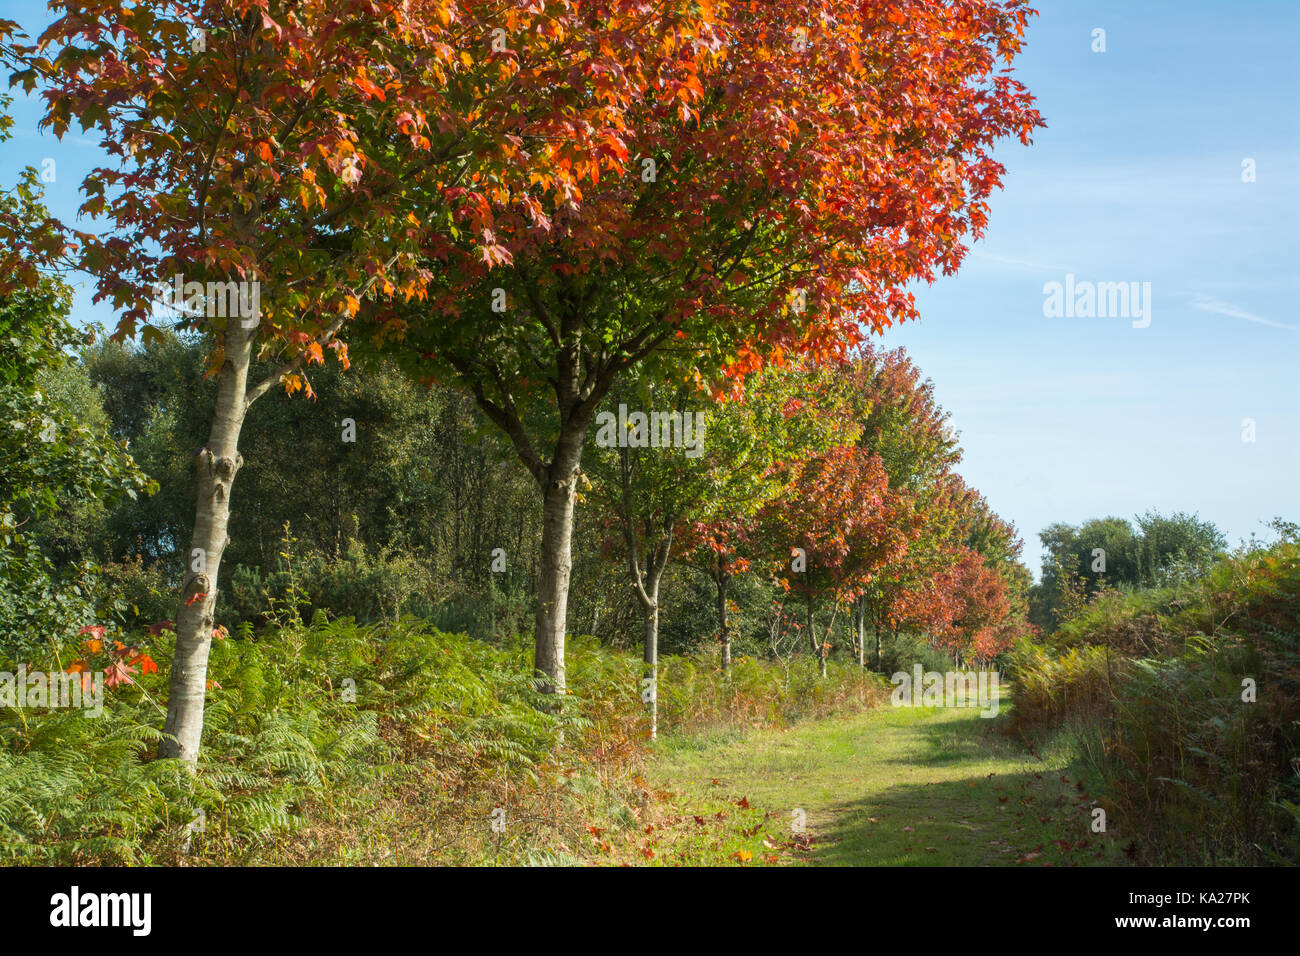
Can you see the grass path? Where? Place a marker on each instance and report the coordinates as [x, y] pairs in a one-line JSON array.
[[890, 786]]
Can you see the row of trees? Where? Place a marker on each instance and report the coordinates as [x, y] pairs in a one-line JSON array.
[[532, 203], [836, 482], [825, 495]]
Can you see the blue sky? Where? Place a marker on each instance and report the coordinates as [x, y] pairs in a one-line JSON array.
[[1138, 178]]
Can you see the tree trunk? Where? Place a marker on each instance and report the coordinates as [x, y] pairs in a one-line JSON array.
[[850, 628], [554, 568], [650, 691], [812, 637], [721, 581], [558, 480], [217, 464], [812, 625], [862, 634], [829, 633]]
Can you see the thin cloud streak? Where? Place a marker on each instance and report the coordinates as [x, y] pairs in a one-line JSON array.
[[994, 257], [1206, 303]]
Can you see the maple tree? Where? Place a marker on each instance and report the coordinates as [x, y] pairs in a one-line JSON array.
[[791, 168], [964, 608], [300, 153], [841, 523], [963, 582], [904, 425]]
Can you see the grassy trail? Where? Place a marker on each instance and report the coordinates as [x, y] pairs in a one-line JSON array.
[[890, 786]]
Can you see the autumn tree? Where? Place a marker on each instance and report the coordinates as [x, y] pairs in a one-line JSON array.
[[840, 523], [791, 167], [965, 609], [269, 162], [964, 584]]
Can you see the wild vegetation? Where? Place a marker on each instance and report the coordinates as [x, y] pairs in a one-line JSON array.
[[491, 418], [337, 742], [1183, 698]]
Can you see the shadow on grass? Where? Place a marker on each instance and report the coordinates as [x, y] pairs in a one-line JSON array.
[[948, 738], [1031, 813]]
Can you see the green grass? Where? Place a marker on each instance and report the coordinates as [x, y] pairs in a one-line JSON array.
[[887, 787]]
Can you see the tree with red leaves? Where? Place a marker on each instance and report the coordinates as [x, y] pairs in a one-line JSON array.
[[794, 167], [279, 163], [964, 609], [842, 524], [963, 583]]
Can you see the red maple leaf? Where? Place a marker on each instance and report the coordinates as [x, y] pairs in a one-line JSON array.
[[118, 672]]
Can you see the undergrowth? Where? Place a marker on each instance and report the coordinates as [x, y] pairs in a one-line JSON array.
[[1187, 703], [337, 742]]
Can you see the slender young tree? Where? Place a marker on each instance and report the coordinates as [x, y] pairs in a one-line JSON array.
[[661, 475], [634, 465]]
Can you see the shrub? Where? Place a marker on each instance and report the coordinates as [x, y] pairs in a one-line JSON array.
[[1053, 688]]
